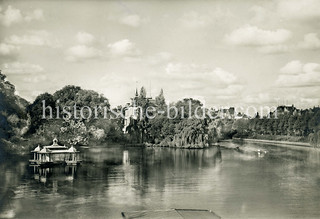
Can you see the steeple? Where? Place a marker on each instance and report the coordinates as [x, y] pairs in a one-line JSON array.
[[136, 92]]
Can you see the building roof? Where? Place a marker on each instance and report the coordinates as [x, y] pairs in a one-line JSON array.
[[37, 149], [55, 148], [72, 150], [66, 150]]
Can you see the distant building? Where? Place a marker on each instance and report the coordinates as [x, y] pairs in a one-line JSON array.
[[226, 113], [281, 110], [241, 116], [131, 111]]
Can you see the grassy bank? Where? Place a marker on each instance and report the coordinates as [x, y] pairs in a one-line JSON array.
[[304, 144], [281, 138]]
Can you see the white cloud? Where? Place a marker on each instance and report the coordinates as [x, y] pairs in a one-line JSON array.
[[299, 9], [123, 48], [254, 36], [132, 20], [310, 41], [159, 58], [297, 74], [272, 49], [8, 50], [85, 38], [34, 38], [214, 83], [82, 52], [20, 68], [259, 98], [194, 20], [225, 76], [30, 73], [13, 15], [294, 67], [232, 90], [35, 78], [199, 77]]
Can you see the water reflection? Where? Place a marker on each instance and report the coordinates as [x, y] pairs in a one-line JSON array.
[[282, 182], [126, 159], [57, 173]]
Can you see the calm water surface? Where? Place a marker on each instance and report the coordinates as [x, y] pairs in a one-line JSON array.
[[283, 183]]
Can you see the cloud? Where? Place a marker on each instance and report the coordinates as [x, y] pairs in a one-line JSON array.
[[297, 74], [274, 49], [30, 73], [123, 48], [254, 36], [217, 16], [35, 78], [224, 76], [194, 20], [310, 101], [20, 68], [85, 49], [300, 10], [262, 98], [310, 41], [159, 58], [204, 80], [132, 20], [37, 14], [231, 91], [85, 38], [111, 81], [260, 13], [82, 52], [34, 38], [13, 16], [7, 50], [294, 67]]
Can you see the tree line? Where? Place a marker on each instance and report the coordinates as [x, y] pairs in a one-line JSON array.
[[22, 121]]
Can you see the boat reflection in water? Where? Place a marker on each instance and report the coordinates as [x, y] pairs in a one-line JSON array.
[[56, 173]]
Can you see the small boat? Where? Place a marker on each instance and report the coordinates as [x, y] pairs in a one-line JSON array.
[[55, 154], [172, 213]]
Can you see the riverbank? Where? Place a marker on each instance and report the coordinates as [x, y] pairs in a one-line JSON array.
[[177, 147], [286, 144], [303, 144]]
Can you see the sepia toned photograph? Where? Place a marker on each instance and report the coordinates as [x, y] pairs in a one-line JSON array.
[[160, 109]]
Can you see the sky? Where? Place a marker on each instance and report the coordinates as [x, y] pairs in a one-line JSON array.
[[224, 53]]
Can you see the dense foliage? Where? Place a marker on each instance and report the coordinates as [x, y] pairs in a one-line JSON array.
[[69, 126], [303, 125], [189, 126], [14, 121], [171, 128]]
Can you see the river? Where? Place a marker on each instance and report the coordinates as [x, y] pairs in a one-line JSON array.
[[275, 183]]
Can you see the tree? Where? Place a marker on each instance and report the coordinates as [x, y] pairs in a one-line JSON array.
[[35, 110], [187, 108], [143, 93], [160, 100]]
